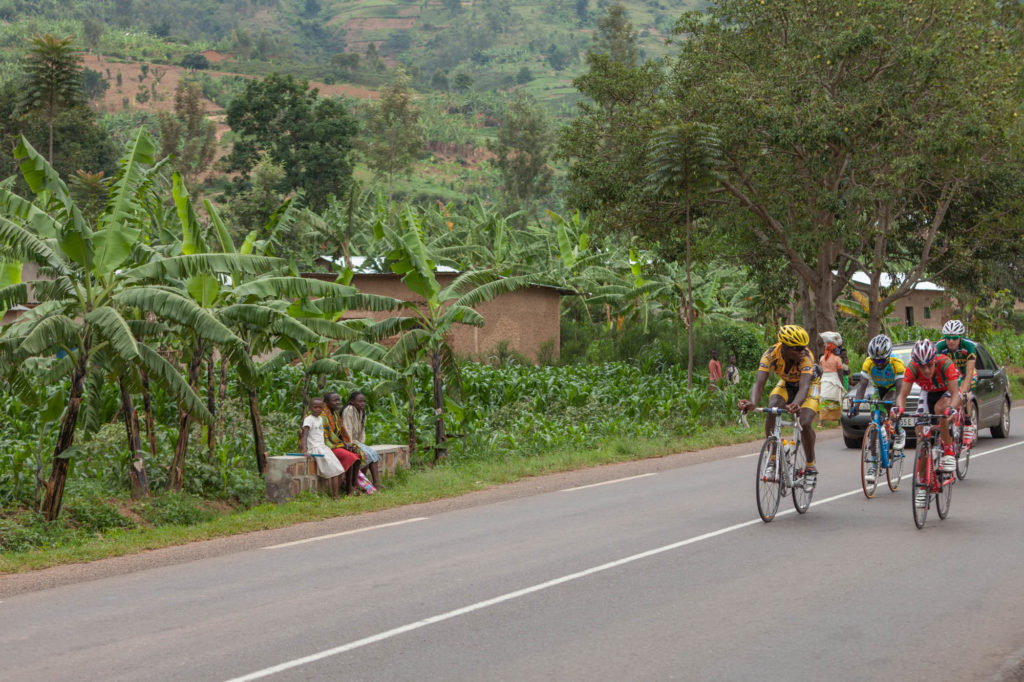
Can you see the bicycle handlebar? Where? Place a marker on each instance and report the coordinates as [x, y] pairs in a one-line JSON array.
[[879, 402]]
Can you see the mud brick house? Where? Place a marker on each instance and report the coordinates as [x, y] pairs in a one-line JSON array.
[[528, 319]]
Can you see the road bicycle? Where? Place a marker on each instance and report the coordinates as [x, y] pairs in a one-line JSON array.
[[777, 477], [928, 480], [877, 452]]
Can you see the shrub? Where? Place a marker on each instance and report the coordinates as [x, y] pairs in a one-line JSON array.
[[174, 509], [95, 515]]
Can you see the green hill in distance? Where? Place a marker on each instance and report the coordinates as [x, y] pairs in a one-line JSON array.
[[444, 44]]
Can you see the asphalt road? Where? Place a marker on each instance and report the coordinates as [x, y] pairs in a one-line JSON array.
[[658, 576]]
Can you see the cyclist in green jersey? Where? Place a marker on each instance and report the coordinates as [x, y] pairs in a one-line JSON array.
[[964, 355]]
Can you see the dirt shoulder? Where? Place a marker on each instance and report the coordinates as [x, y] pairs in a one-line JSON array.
[[73, 573]]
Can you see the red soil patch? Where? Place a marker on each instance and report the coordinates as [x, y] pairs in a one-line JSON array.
[[464, 154], [169, 77]]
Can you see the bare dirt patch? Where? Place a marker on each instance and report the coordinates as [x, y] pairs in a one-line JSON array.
[[162, 79]]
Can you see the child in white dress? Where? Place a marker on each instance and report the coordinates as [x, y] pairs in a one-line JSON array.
[[312, 443]]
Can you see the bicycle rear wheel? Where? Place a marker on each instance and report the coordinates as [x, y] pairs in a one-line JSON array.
[[943, 498], [895, 471], [922, 462], [769, 472], [801, 495], [869, 461]]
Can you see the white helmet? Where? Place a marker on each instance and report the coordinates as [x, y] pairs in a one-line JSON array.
[[880, 347], [923, 352], [954, 328]]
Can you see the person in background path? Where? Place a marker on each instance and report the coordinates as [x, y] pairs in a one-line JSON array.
[[311, 442], [354, 417], [336, 437], [732, 372], [714, 368], [832, 387]]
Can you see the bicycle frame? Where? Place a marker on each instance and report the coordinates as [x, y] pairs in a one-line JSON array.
[[928, 423], [880, 423], [789, 470]]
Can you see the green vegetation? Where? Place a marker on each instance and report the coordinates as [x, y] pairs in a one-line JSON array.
[[683, 197]]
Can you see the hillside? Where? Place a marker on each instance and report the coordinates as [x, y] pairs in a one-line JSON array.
[[465, 60], [495, 44]]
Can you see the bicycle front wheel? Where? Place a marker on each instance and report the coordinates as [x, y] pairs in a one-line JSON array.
[[895, 471], [769, 472], [921, 497], [869, 461], [801, 495], [963, 460]]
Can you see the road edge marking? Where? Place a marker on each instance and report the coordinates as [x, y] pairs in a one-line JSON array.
[[617, 480], [347, 532]]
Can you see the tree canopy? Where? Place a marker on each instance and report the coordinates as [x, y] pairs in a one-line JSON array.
[[308, 136]]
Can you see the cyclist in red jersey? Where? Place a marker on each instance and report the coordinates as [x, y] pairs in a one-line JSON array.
[[938, 378]]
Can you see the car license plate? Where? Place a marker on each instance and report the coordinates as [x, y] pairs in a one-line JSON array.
[[906, 421]]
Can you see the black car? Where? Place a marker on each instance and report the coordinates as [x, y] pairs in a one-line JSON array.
[[991, 405]]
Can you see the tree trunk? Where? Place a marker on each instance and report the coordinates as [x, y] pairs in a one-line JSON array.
[[223, 378], [147, 408], [689, 306], [137, 466], [176, 476], [307, 377], [440, 439], [410, 394], [211, 405], [66, 438], [257, 430]]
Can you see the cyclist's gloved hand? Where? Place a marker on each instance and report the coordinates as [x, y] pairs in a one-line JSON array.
[[895, 412], [951, 413], [852, 412]]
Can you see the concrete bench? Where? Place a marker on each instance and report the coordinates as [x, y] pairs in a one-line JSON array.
[[289, 475]]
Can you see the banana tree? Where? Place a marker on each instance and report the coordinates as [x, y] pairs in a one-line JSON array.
[[423, 330], [81, 308]]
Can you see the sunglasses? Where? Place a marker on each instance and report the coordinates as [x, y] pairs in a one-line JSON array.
[[952, 338]]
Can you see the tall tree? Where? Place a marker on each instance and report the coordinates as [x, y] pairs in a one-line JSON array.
[[308, 136], [395, 134], [683, 165], [188, 134], [608, 142], [848, 135], [52, 78], [523, 148], [616, 36]]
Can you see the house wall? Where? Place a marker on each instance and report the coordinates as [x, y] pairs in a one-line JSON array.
[[929, 309], [527, 319]]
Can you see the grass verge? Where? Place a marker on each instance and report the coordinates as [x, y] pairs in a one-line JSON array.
[[408, 487]]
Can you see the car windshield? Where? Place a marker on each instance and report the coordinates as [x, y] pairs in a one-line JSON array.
[[903, 354]]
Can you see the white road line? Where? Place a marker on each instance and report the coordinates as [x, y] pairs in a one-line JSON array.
[[752, 454], [594, 485], [388, 634], [347, 532]]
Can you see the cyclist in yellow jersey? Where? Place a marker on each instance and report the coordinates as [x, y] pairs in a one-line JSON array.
[[797, 390]]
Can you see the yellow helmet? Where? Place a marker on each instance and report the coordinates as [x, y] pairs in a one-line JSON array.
[[793, 335]]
